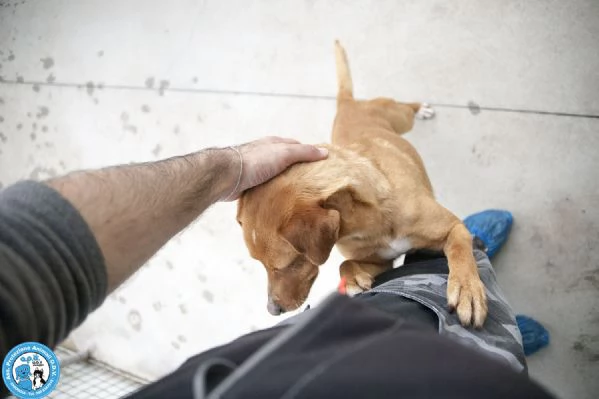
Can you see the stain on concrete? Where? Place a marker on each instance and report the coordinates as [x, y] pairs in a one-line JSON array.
[[226, 105], [62, 165], [11, 57], [41, 173], [19, 126], [131, 128], [195, 80], [200, 119], [134, 319], [20, 79], [33, 136], [51, 78], [1, 101], [1, 119], [100, 86], [122, 299], [536, 240], [157, 306], [1, 79], [593, 279], [44, 111], [36, 88], [176, 129], [474, 108], [34, 126], [29, 114], [150, 82], [202, 278], [3, 138], [156, 152], [126, 126], [47, 62], [44, 128], [100, 53], [169, 265], [145, 108], [48, 144], [164, 84], [208, 296], [175, 345], [183, 308], [89, 88], [96, 101], [182, 338], [588, 346]]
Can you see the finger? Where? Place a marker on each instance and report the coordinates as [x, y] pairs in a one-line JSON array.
[[277, 139], [304, 153], [287, 140]]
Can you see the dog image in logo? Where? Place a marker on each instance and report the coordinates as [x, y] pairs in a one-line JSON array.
[[23, 379], [38, 378]]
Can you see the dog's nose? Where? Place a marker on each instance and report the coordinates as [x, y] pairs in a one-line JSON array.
[[273, 307]]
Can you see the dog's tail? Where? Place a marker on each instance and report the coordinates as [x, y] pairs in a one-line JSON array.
[[343, 76]]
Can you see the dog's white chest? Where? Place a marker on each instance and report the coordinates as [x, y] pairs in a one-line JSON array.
[[397, 247]]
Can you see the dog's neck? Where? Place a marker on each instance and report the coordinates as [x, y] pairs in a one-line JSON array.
[[349, 183]]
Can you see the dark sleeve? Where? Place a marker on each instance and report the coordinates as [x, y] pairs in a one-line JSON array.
[[52, 272]]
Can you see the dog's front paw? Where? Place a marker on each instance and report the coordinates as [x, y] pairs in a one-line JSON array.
[[425, 112], [467, 295], [356, 280], [360, 283]]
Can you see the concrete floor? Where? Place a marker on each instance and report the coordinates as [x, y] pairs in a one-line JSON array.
[[92, 83]]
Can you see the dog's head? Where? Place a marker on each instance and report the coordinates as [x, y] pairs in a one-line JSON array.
[[291, 234]]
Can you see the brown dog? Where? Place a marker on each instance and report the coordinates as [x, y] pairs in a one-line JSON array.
[[371, 197]]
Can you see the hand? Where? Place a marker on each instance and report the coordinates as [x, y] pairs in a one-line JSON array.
[[265, 158]]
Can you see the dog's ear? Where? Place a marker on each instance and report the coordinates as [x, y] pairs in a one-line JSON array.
[[312, 231], [348, 199]]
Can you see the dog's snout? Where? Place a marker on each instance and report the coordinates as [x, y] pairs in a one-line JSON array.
[[273, 307]]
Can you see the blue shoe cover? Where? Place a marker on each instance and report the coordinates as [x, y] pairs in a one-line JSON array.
[[534, 335], [492, 227]]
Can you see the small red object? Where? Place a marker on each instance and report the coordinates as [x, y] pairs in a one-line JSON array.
[[342, 288]]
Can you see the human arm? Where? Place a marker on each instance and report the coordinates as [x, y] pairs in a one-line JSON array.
[[67, 242], [134, 210]]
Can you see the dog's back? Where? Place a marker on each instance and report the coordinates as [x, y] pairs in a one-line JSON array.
[[372, 128]]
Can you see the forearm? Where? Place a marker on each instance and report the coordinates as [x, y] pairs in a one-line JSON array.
[[134, 210]]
